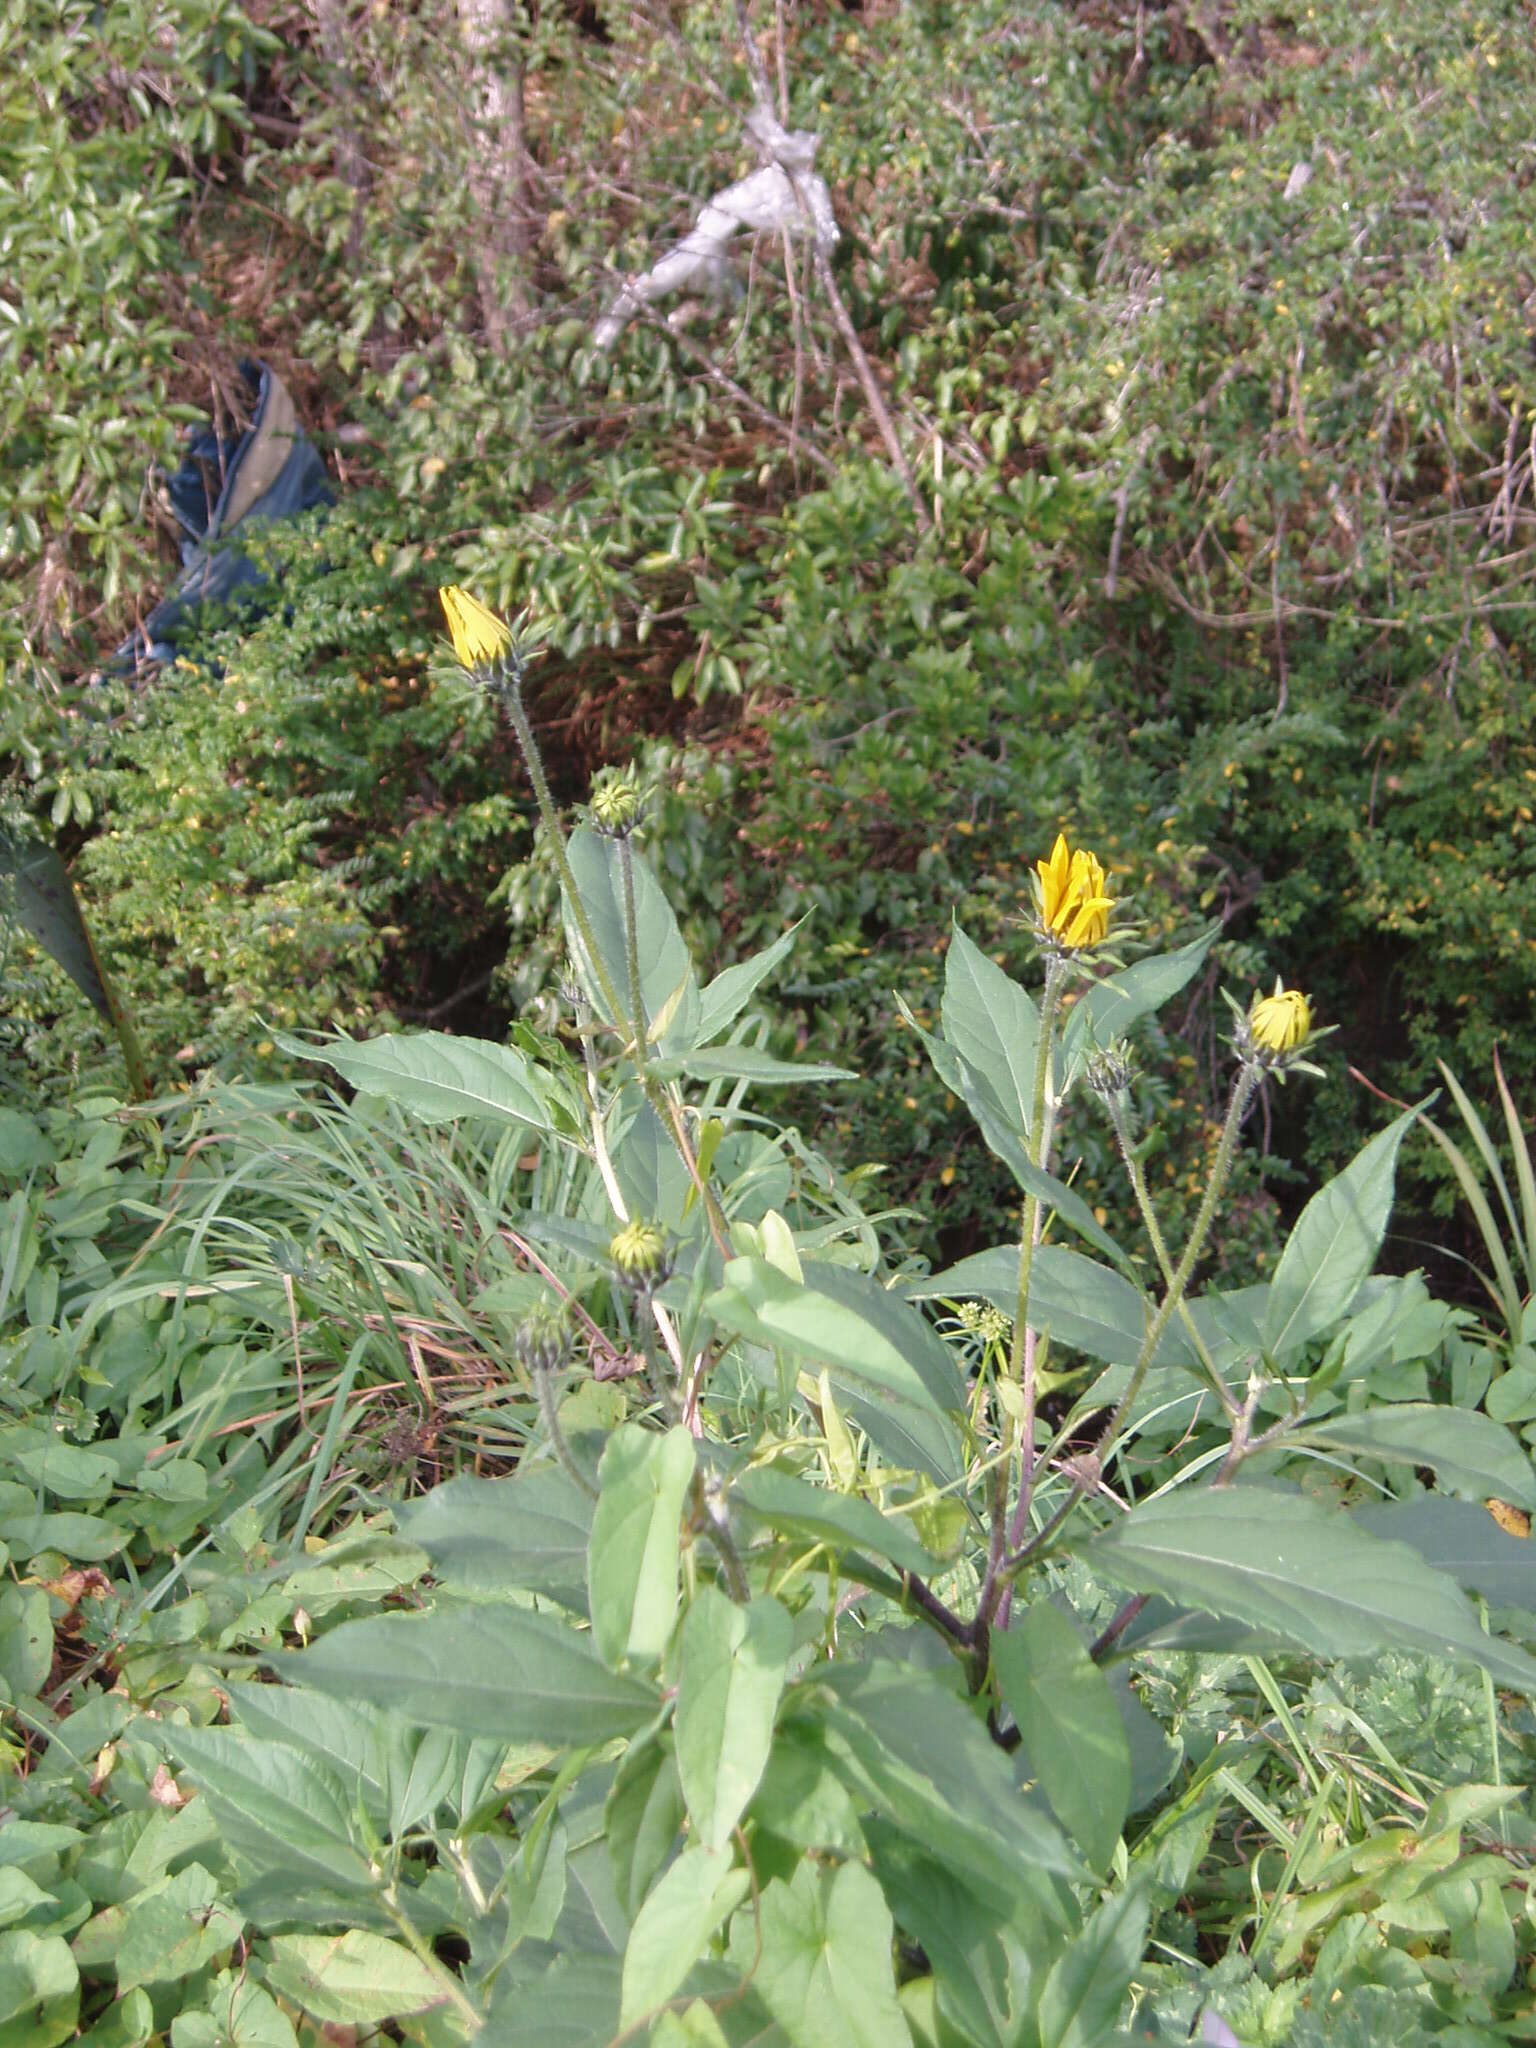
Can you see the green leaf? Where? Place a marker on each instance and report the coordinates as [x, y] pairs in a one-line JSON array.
[[934, 1907], [994, 1026], [845, 1521], [746, 1063], [1113, 1005], [44, 904], [698, 1893], [1464, 1542], [84, 1539], [286, 1810], [1334, 1245], [889, 1370], [529, 1532], [632, 1562], [665, 965], [174, 1932], [1085, 1988], [435, 1076], [825, 1971], [909, 1748], [497, 1671], [723, 999], [39, 1990], [352, 1979], [1080, 1302], [1279, 1561], [1469, 1454], [642, 1817], [1071, 1726], [729, 1681]]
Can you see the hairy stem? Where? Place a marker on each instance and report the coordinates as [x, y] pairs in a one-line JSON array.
[[1242, 1094]]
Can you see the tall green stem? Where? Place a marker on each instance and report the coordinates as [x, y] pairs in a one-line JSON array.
[[1021, 1357], [511, 695], [1115, 1105], [1242, 1094]]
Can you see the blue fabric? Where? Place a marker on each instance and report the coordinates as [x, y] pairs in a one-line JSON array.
[[211, 480]]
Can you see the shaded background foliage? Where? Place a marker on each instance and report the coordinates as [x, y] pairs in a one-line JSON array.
[[1206, 332]]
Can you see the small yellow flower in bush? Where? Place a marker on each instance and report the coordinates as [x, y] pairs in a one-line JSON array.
[[479, 637], [1073, 898], [1280, 1022]]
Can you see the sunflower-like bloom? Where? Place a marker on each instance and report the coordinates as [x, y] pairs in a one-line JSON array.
[[479, 638], [1074, 903], [1281, 1022]]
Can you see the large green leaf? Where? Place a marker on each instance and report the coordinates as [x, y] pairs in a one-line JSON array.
[[527, 1533], [890, 1371], [352, 1979], [824, 1969], [667, 983], [1086, 1986], [636, 1532], [729, 1681], [1280, 1561], [695, 1896], [35, 888], [498, 1671], [1469, 1454], [1464, 1542], [39, 1990], [1334, 1245], [994, 1026], [1071, 1726], [845, 1521], [908, 1747], [747, 1063], [1079, 1301], [437, 1077], [935, 1907], [290, 1812]]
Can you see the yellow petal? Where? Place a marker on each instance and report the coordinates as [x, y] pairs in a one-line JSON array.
[[478, 636]]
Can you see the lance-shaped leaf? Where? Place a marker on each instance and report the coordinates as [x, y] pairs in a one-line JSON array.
[[1113, 1005], [436, 1076], [1070, 1724], [1333, 1247], [632, 1563], [1469, 1454], [994, 1027], [891, 1373], [493, 1670], [732, 1672], [667, 984], [1282, 1562], [528, 1533]]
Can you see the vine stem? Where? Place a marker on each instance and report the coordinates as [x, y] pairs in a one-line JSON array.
[[1247, 1081]]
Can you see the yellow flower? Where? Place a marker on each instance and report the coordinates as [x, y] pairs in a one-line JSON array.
[[1074, 906], [1281, 1022], [639, 1251], [479, 637]]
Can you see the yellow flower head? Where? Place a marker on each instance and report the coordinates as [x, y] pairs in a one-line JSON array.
[[640, 1251], [1281, 1022], [1074, 903], [479, 637]]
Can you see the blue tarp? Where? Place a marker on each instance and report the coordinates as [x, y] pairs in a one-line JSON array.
[[271, 472]]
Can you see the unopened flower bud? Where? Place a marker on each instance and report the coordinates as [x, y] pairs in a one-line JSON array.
[[1109, 1071], [640, 1252], [615, 807], [542, 1340]]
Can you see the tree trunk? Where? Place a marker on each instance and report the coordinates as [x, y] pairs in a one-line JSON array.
[[499, 180]]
